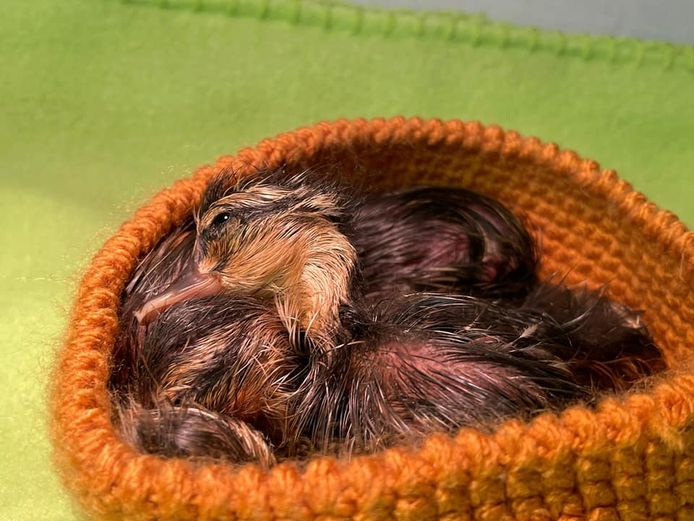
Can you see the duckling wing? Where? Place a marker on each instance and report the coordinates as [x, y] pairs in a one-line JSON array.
[[444, 240]]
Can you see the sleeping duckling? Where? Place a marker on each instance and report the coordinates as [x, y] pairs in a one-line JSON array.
[[293, 315]]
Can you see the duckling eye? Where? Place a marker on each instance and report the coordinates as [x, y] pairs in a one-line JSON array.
[[220, 219]]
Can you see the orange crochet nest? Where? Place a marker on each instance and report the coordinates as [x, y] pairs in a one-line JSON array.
[[632, 458]]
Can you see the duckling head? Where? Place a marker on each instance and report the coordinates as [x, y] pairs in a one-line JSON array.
[[273, 238]]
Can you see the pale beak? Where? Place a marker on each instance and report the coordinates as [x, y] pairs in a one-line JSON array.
[[191, 285]]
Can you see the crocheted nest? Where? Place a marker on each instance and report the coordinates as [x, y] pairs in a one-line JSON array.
[[631, 458]]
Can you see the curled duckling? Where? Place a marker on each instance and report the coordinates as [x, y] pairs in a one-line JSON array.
[[278, 316]]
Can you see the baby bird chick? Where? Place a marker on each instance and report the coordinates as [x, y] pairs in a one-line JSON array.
[[296, 315]]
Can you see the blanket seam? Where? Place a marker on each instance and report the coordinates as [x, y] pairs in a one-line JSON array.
[[471, 29]]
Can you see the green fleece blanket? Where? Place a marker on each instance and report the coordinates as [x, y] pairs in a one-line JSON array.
[[102, 102]]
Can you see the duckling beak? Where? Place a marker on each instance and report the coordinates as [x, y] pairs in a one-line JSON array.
[[191, 285]]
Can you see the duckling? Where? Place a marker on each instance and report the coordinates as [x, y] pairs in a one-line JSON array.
[[278, 315]]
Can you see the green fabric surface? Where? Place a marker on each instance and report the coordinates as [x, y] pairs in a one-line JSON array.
[[103, 102]]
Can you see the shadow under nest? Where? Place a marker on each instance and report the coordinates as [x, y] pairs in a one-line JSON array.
[[296, 314]]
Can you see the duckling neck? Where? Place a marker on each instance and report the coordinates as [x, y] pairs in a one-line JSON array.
[[320, 287]]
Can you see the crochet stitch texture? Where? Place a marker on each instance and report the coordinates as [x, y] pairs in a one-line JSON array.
[[631, 458]]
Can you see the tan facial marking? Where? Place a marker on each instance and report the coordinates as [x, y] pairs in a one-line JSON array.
[[293, 253]]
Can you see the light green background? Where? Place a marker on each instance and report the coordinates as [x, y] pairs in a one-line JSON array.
[[103, 102]]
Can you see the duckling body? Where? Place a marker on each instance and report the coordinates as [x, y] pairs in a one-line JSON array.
[[322, 320], [442, 240]]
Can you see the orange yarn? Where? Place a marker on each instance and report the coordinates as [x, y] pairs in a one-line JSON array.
[[632, 458]]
